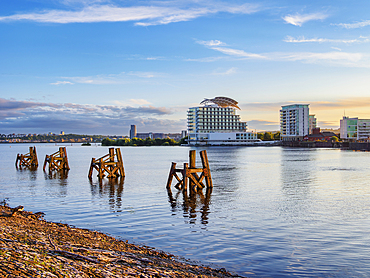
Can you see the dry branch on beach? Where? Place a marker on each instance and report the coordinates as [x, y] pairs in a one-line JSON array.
[[33, 247]]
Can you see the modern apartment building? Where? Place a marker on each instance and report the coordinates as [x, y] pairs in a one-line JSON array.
[[216, 123], [294, 123], [312, 123], [352, 129]]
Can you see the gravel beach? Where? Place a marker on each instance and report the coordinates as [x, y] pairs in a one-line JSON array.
[[33, 247]]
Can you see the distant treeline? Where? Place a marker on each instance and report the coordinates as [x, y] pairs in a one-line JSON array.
[[142, 142], [269, 136]]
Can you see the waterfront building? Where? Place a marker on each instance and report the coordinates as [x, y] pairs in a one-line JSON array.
[[133, 131], [215, 122], [352, 129], [312, 123], [294, 123]]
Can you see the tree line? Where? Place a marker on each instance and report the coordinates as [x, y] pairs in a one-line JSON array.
[[142, 142], [269, 136]]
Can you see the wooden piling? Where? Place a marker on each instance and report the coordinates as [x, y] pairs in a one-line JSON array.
[[110, 164], [57, 161], [191, 176], [27, 160]]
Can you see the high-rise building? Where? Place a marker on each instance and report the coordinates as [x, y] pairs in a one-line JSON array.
[[215, 122], [294, 124], [312, 123], [133, 131]]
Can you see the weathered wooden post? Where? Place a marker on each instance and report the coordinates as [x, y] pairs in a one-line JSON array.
[[58, 161], [190, 174], [27, 160], [111, 164], [206, 170]]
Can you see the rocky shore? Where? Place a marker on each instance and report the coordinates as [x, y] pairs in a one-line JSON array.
[[33, 247]]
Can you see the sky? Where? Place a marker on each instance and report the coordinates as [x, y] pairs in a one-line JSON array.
[[99, 66]]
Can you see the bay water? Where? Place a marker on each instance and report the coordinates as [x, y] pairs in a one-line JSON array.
[[273, 211]]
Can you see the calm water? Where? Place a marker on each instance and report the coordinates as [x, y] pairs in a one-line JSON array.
[[273, 212]]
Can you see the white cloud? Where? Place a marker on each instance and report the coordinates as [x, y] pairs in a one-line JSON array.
[[161, 13], [102, 79], [62, 83], [239, 53], [336, 48], [354, 25], [321, 40], [334, 57], [228, 72], [215, 45], [299, 19], [313, 57], [211, 43]]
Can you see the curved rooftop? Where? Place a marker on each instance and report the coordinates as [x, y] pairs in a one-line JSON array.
[[222, 102]]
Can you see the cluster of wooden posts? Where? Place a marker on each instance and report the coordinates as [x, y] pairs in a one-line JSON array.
[[111, 166], [189, 174]]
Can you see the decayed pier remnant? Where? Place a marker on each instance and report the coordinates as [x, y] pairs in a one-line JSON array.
[[27, 160], [189, 173], [58, 161], [111, 164]]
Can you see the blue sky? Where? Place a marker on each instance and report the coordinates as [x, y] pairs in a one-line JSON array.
[[98, 66]]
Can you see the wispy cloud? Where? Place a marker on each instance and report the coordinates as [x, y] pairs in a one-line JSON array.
[[262, 125], [228, 72], [332, 58], [103, 79], [354, 25], [156, 13], [86, 118], [300, 19], [322, 40], [62, 83], [220, 46], [355, 102]]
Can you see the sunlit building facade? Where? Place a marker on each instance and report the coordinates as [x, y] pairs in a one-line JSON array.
[[352, 129], [216, 123], [294, 123], [312, 123]]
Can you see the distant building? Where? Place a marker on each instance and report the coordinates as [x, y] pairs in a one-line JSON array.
[[317, 135], [151, 135], [184, 133], [294, 124], [216, 123], [348, 128], [133, 131], [352, 129], [312, 123]]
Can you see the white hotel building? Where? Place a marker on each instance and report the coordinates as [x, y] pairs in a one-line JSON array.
[[216, 123]]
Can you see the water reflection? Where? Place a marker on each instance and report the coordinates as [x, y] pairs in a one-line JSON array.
[[111, 187], [60, 179], [57, 175], [192, 205], [298, 174], [32, 171]]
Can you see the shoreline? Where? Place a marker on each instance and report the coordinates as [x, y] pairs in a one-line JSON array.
[[32, 246]]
